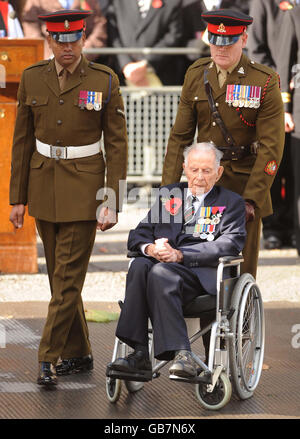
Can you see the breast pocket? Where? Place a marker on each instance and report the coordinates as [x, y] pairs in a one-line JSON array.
[[202, 110], [39, 108]]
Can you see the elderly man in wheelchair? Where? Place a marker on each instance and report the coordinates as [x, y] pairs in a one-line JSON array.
[[188, 265]]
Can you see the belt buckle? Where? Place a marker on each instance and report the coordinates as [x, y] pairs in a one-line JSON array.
[[58, 152]]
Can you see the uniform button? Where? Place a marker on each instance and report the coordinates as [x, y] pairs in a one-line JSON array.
[[61, 101], [33, 102], [217, 104], [214, 124], [58, 142], [252, 62], [59, 122]]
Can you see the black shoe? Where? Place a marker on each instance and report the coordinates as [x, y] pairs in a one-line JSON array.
[[47, 375], [75, 365], [183, 365], [272, 242], [136, 362]]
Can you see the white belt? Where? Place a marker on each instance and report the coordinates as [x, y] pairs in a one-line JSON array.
[[67, 152]]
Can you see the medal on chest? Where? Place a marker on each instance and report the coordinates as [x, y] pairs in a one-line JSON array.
[[209, 218], [90, 100], [247, 96]]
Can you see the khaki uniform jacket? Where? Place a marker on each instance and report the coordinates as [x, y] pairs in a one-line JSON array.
[[251, 176], [65, 190]]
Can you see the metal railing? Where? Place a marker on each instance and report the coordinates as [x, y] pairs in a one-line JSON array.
[[150, 115]]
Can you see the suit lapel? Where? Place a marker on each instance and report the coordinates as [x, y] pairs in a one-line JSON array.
[[145, 22]]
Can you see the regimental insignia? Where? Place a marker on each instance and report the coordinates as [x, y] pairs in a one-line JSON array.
[[243, 95], [67, 24], [91, 100], [271, 167], [241, 70], [209, 218], [221, 28]]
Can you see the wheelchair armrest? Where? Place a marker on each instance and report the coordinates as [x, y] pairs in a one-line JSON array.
[[132, 254], [231, 260]]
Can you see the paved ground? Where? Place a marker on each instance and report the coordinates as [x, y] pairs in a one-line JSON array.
[[23, 307]]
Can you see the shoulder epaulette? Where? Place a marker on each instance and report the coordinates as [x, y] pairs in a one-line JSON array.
[[263, 68], [39, 64], [101, 67], [200, 62]]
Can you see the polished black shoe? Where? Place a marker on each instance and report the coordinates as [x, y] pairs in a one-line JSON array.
[[136, 362], [183, 365], [75, 365], [47, 375], [272, 242]]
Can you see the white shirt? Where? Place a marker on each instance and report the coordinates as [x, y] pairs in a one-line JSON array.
[[13, 25], [210, 4]]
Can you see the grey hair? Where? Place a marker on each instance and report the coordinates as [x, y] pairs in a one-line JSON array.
[[203, 146]]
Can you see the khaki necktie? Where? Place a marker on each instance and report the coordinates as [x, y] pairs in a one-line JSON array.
[[62, 77]]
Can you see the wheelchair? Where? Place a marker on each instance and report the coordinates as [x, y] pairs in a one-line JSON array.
[[236, 348]]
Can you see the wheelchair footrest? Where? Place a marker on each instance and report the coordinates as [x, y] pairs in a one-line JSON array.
[[206, 378], [116, 374]]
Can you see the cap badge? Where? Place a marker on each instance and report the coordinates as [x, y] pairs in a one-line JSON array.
[[67, 24], [221, 28]]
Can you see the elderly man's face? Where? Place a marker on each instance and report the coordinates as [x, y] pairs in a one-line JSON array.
[[227, 56], [201, 171]]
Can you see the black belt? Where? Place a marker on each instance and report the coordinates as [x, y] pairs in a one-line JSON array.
[[235, 152]]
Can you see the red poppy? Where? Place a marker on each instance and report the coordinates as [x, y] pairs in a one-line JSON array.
[[284, 6], [157, 4], [173, 205]]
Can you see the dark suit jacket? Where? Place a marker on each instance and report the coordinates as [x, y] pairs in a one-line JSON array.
[[162, 27], [265, 31], [200, 255], [288, 62]]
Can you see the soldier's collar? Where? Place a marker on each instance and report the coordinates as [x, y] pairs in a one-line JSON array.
[[227, 71], [71, 69]]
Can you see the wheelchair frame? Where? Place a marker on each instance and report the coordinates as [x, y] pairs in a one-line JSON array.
[[236, 347]]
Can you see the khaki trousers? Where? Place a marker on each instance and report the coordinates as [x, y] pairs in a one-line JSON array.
[[251, 249], [68, 247]]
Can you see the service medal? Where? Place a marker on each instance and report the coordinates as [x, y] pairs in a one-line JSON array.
[[98, 101], [210, 237], [90, 100], [203, 235]]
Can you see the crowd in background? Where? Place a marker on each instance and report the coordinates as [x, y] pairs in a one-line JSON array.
[[274, 40]]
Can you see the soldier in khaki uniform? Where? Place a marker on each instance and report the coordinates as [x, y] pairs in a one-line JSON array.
[[65, 104], [235, 103]]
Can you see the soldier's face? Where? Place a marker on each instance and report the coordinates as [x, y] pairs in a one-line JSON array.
[[201, 171], [227, 56], [66, 53]]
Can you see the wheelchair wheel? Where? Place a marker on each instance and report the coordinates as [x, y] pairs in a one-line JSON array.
[[246, 348], [113, 389], [220, 395]]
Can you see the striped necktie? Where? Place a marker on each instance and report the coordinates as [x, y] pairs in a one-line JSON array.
[[189, 212]]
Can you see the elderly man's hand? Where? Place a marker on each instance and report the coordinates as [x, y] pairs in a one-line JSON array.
[[163, 252]]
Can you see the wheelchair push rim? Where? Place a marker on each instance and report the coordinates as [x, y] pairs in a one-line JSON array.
[[247, 345]]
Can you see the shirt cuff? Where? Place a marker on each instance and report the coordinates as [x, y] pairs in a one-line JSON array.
[[143, 248]]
